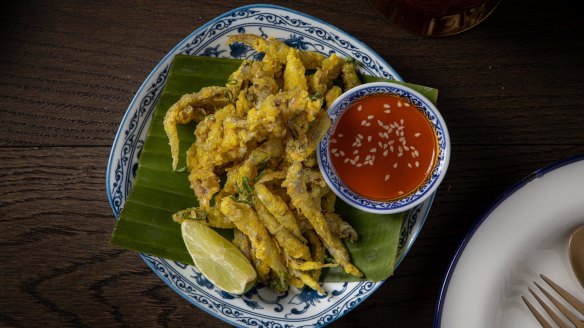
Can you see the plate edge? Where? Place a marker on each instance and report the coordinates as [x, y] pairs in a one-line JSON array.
[[144, 85], [500, 199]]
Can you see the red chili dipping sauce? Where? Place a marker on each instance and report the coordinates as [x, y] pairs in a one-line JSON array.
[[383, 147]]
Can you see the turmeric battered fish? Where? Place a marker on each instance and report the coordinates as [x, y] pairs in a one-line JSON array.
[[261, 131], [190, 107], [277, 50], [297, 189], [248, 222]]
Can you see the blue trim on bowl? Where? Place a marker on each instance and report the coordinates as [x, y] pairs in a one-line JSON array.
[[514, 188]]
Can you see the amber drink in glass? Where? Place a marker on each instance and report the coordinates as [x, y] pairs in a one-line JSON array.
[[435, 17]]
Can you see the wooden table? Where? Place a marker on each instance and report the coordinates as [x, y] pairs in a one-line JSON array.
[[511, 91]]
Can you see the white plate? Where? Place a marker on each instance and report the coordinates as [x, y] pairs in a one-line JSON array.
[[525, 233], [260, 306]]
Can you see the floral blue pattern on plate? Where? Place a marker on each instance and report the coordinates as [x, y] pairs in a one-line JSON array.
[[259, 307]]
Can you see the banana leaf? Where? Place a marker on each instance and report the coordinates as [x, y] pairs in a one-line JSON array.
[[145, 224]]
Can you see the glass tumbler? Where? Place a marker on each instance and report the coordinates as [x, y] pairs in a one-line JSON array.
[[435, 17]]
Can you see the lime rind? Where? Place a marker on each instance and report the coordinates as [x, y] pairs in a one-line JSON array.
[[223, 264]]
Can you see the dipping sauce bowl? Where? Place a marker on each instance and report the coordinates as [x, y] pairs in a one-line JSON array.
[[387, 150]]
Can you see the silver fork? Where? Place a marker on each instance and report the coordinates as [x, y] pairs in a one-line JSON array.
[[579, 306]]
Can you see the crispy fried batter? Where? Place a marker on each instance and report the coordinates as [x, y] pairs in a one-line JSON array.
[[297, 189], [276, 50], [189, 107], [248, 222], [261, 131], [290, 244], [324, 76], [349, 73]]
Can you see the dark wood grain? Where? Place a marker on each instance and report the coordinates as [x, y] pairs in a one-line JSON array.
[[510, 90]]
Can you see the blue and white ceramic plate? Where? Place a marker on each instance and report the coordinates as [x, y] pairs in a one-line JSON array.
[[336, 110], [524, 233], [260, 307]]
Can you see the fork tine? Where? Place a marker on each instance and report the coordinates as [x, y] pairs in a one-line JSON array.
[[536, 313], [573, 319], [547, 309], [567, 296]]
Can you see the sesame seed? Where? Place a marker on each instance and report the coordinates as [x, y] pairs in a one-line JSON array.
[[413, 154], [356, 158], [401, 121], [359, 164], [406, 148], [407, 104], [384, 146], [410, 165], [373, 150], [417, 164], [342, 153], [363, 122], [333, 140], [380, 123], [400, 154], [386, 135], [400, 148], [359, 108], [372, 159], [386, 177], [370, 117], [386, 106], [380, 144], [387, 111], [399, 104], [352, 162], [400, 128], [334, 150], [385, 153], [341, 135], [367, 124], [368, 157], [346, 160], [391, 148], [401, 139], [417, 134], [400, 192], [336, 154], [369, 138], [395, 165], [360, 136], [391, 142], [356, 152]]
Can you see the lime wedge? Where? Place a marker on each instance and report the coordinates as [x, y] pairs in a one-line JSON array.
[[217, 258]]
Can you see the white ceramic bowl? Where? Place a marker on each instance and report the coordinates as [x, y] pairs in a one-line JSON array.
[[408, 200]]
